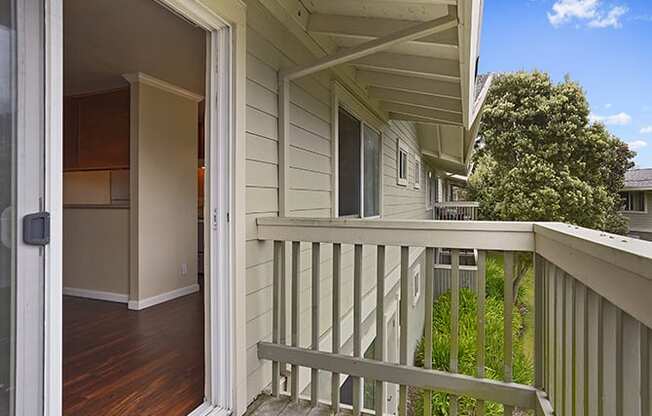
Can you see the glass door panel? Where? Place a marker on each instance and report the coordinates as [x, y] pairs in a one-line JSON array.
[[7, 201]]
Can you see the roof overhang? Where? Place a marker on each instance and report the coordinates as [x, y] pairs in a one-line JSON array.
[[415, 60]]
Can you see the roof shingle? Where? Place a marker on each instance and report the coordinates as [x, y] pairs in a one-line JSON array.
[[638, 178]]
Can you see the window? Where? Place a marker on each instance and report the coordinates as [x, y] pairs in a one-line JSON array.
[[417, 173], [416, 284], [358, 167], [402, 164], [633, 201]]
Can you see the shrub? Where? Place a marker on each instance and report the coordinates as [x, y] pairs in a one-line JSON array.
[[494, 313]]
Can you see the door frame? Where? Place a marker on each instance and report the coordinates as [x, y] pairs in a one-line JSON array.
[[222, 123]]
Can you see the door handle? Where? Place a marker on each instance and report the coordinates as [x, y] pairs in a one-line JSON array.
[[36, 229]]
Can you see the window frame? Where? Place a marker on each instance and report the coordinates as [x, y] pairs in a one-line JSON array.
[[343, 99], [625, 208], [418, 172], [416, 284], [402, 148]]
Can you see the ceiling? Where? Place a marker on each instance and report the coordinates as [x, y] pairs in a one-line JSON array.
[[102, 41], [430, 81]]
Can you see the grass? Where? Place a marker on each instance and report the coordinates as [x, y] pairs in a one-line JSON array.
[[523, 330]]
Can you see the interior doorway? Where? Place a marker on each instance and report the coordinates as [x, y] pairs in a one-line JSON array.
[[135, 299]]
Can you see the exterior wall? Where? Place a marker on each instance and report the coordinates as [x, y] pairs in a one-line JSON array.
[[641, 221], [270, 47]]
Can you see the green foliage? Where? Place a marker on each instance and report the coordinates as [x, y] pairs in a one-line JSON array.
[[494, 340], [542, 159]]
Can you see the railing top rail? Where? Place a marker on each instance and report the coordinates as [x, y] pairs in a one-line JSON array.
[[624, 252], [453, 204], [484, 235]]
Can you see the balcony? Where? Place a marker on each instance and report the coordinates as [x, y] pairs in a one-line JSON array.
[[455, 211], [593, 342]]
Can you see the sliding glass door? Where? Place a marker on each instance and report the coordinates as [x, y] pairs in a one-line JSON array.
[[21, 192]]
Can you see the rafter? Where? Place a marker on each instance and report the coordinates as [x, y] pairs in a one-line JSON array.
[[410, 84], [452, 105], [366, 28], [371, 47], [426, 113], [411, 65]]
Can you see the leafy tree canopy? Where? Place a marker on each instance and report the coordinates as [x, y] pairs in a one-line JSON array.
[[541, 159]]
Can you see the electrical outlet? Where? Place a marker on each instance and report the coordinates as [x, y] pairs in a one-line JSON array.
[[184, 269]]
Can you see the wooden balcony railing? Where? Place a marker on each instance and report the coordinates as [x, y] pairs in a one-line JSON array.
[[455, 211], [593, 314]]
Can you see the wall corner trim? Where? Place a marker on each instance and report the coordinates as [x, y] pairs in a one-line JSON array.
[[143, 78], [137, 305]]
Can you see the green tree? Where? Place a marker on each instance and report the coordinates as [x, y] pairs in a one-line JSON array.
[[542, 159]]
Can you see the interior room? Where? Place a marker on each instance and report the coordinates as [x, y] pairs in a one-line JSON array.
[[133, 209]]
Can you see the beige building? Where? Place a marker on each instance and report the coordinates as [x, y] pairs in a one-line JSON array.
[[215, 207]]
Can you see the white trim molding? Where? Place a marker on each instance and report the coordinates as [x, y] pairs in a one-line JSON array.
[[96, 294], [162, 85], [137, 305]]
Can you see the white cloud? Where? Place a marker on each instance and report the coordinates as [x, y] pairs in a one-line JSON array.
[[646, 130], [619, 119], [589, 11], [637, 144], [612, 18], [607, 106]]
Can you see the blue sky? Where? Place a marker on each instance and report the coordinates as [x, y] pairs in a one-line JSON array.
[[604, 45]]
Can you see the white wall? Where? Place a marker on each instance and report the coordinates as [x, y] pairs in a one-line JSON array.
[[96, 249], [164, 191], [269, 48]]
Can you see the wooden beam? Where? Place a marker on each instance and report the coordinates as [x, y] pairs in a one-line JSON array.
[[410, 84], [367, 28], [487, 235], [507, 393], [371, 47], [422, 112], [411, 65], [452, 105], [421, 120]]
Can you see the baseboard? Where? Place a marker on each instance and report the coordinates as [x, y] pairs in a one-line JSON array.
[[96, 294], [137, 305]]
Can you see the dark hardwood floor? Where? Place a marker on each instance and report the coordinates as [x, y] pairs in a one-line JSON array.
[[122, 362]]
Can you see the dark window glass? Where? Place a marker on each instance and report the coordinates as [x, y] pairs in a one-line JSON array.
[[349, 130], [371, 172]]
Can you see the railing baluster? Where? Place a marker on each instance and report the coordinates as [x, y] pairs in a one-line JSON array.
[[579, 364], [551, 282], [276, 297], [538, 322], [559, 342], [480, 346], [380, 327], [508, 308], [569, 326], [405, 301], [593, 392], [428, 301], [357, 322], [296, 310], [646, 372], [455, 322], [335, 377], [612, 359], [314, 373]]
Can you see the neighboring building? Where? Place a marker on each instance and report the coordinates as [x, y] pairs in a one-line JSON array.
[[637, 202], [236, 199]]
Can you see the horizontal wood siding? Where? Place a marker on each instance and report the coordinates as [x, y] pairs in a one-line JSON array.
[[270, 47]]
